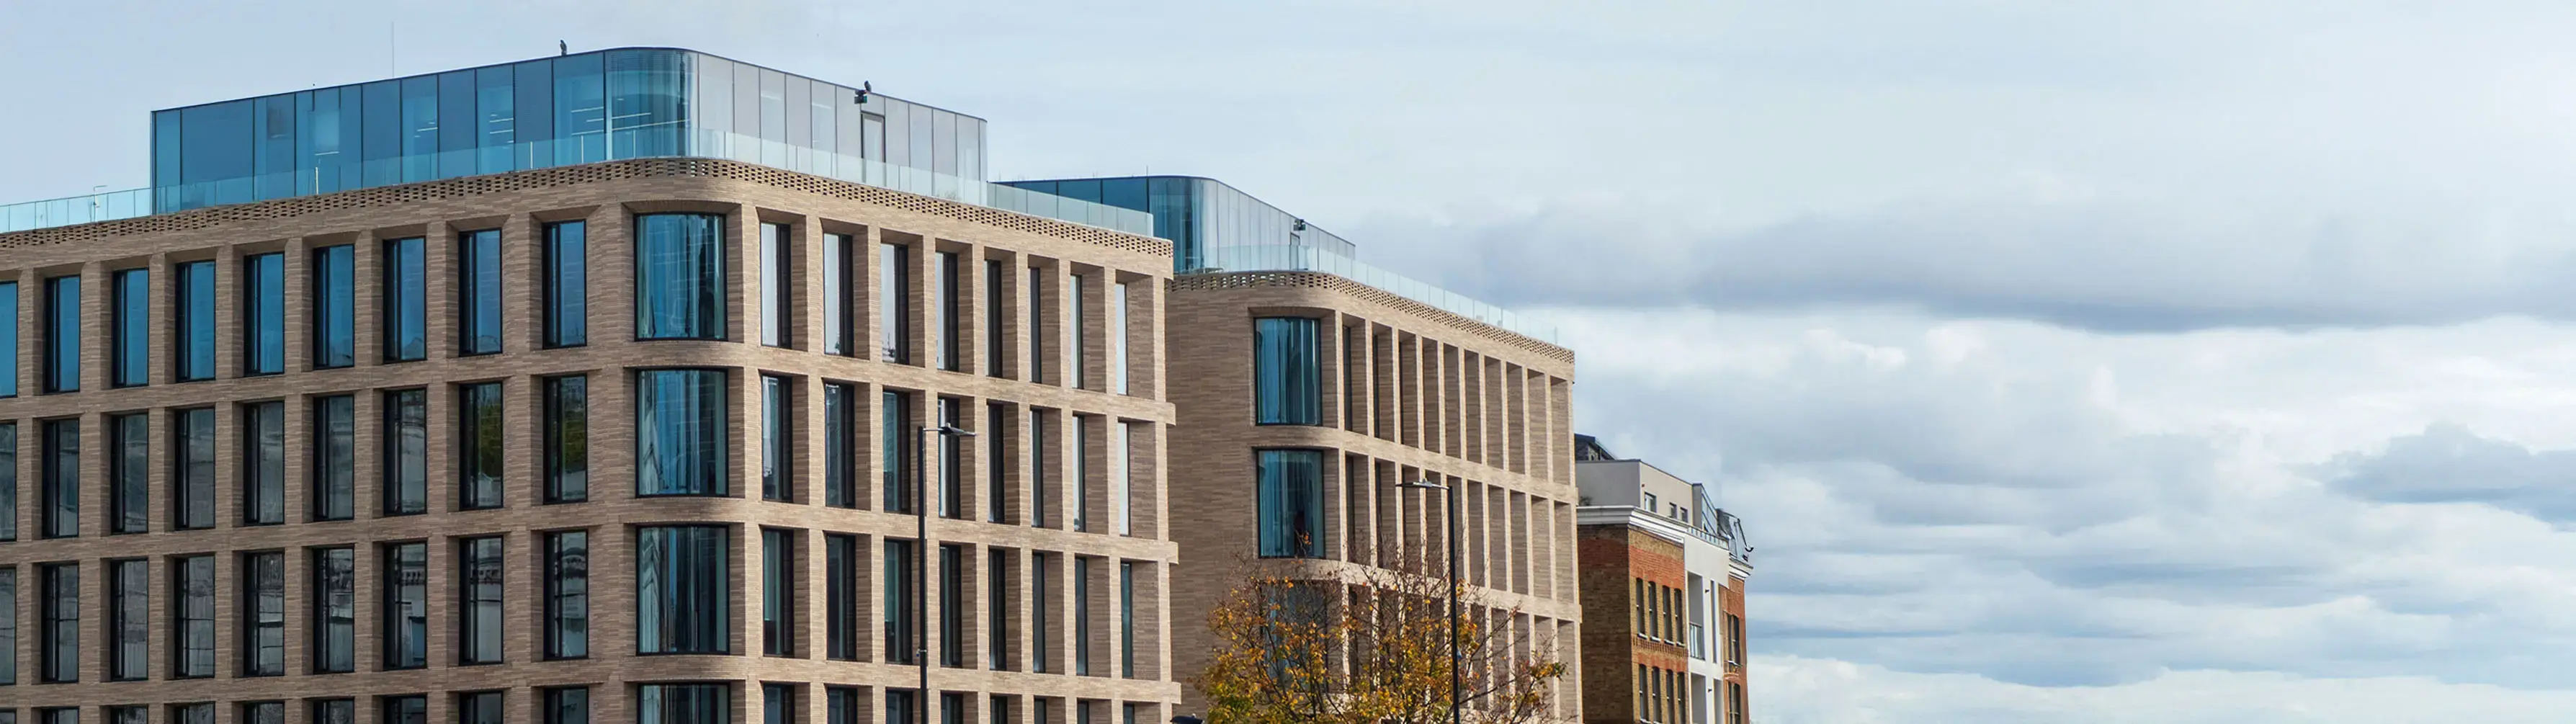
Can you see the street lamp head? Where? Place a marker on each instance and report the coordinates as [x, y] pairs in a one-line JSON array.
[[953, 431], [1422, 484]]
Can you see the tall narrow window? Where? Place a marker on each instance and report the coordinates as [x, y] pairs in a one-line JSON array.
[[9, 625], [774, 437], [195, 469], [894, 302], [264, 463], [480, 445], [567, 705], [952, 461], [9, 338], [325, 711], [680, 432], [479, 707], [263, 616], [567, 434], [478, 292], [1078, 484], [997, 609], [996, 461], [681, 590], [1041, 604], [840, 445], [479, 583], [1081, 616], [1122, 510], [836, 295], [335, 457], [683, 704], [1127, 619], [409, 709], [842, 705], [1079, 322], [8, 480], [952, 605], [406, 456], [62, 478], [335, 610], [335, 309], [679, 277], [902, 593], [129, 472], [62, 334], [264, 314], [994, 310], [1285, 386], [58, 601], [129, 620], [568, 595], [773, 285], [775, 702], [841, 596], [192, 650], [903, 705], [777, 587], [130, 328], [567, 285], [406, 602], [1039, 497], [944, 302], [1118, 338], [406, 302], [895, 427], [1029, 299], [1291, 501]]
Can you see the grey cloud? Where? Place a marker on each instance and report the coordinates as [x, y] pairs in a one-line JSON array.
[[2447, 463]]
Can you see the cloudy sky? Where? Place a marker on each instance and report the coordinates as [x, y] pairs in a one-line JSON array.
[[2069, 360]]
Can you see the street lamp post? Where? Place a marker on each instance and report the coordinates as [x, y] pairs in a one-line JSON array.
[[921, 558], [1457, 714]]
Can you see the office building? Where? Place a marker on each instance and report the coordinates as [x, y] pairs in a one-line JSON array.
[[1663, 577], [608, 387]]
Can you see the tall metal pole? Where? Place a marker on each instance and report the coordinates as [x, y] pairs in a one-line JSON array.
[[921, 572], [1457, 714]]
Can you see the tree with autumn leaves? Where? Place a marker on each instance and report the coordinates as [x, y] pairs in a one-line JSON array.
[[1371, 645]]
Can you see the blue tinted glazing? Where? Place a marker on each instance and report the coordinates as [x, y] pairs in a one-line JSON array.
[[326, 138], [264, 315], [406, 305], [496, 116], [273, 155], [216, 146], [62, 334], [381, 137], [9, 338], [681, 597], [679, 279], [478, 290], [130, 329], [406, 452], [168, 127], [533, 111], [1291, 499], [193, 311], [567, 278], [647, 96], [419, 128], [1286, 386], [680, 432], [335, 306], [581, 110], [458, 106]]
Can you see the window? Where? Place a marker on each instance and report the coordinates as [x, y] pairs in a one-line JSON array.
[[406, 600], [129, 359], [62, 334], [903, 645], [567, 285], [1036, 347], [129, 472], [836, 295], [894, 302], [263, 622], [58, 715], [568, 595], [406, 303], [998, 709], [58, 604], [1081, 616], [8, 480], [264, 463], [681, 590], [335, 310], [993, 311], [62, 478], [335, 457], [1291, 498], [1286, 390], [1121, 510], [683, 704], [841, 596], [194, 469], [773, 285], [9, 338], [996, 461], [411, 709], [8, 625], [952, 708], [841, 705], [129, 715], [1041, 573], [680, 432], [1079, 494], [406, 457], [952, 461], [1080, 322], [480, 443], [898, 439], [327, 711], [997, 613], [478, 292], [1038, 468], [479, 585], [840, 445], [1127, 619], [479, 707], [944, 303], [774, 437], [776, 700], [567, 440], [679, 280], [901, 705], [1118, 338], [952, 605], [193, 605], [777, 584], [264, 314], [129, 620], [335, 610], [567, 705]]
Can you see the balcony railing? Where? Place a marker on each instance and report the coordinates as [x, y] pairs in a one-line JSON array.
[[1303, 258]]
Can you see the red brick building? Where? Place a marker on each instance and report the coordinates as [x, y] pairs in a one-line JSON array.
[[1661, 571]]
